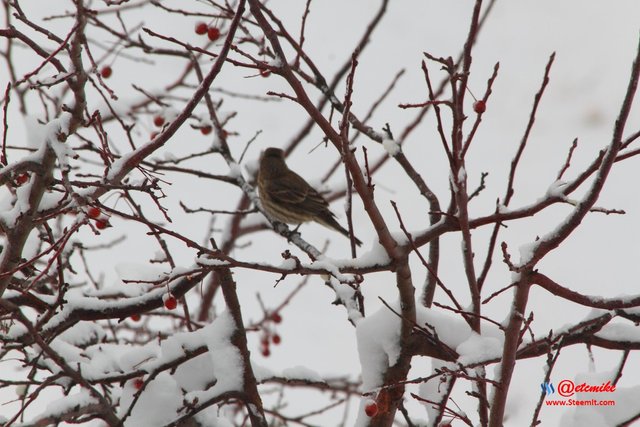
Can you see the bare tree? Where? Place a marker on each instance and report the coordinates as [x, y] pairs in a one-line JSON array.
[[107, 352]]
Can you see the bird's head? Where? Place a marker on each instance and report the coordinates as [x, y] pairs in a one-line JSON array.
[[273, 152], [272, 162]]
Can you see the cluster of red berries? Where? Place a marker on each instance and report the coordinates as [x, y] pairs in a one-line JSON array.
[[212, 32], [269, 337], [101, 220]]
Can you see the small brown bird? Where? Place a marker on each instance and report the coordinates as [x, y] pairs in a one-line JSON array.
[[288, 198]]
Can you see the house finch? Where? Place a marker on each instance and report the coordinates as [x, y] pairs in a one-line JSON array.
[[288, 198]]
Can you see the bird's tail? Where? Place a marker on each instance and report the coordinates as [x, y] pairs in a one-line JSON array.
[[330, 222]]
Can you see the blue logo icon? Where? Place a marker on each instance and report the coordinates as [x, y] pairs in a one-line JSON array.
[[547, 388]]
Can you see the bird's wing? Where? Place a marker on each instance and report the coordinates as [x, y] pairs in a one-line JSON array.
[[295, 190]]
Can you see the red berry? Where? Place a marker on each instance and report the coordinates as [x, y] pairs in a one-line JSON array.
[[213, 33], [22, 178], [266, 352], [265, 340], [106, 72], [138, 383], [265, 73], [479, 107], [201, 28], [371, 408], [170, 302], [93, 212], [158, 121], [276, 339], [135, 317], [206, 130], [101, 224], [276, 317]]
